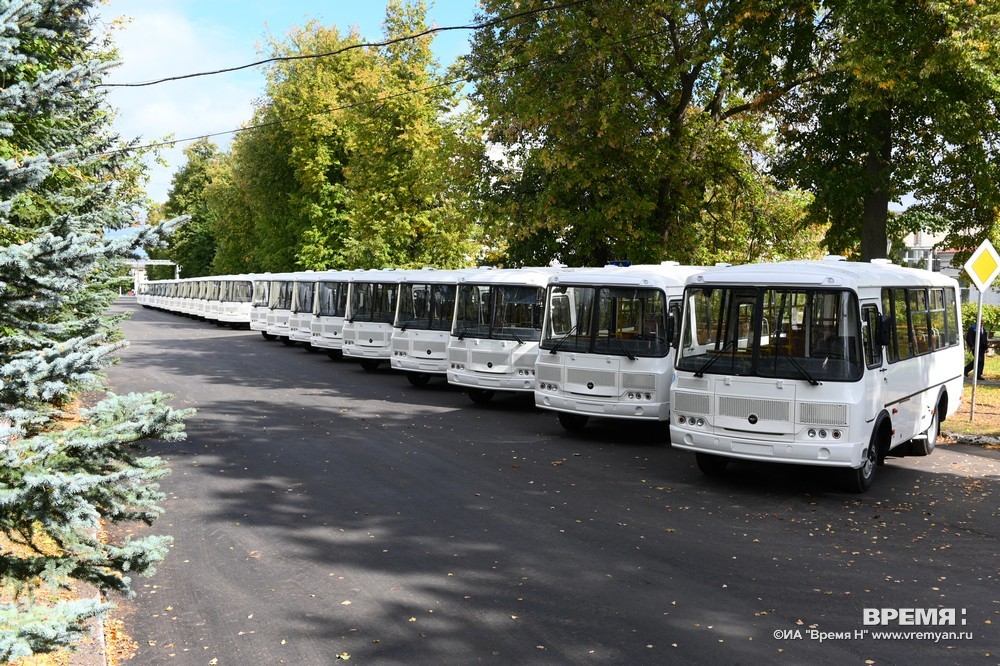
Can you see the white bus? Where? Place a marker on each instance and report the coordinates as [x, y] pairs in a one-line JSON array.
[[423, 323], [303, 307], [494, 338], [371, 311], [816, 362], [270, 290], [235, 295], [606, 343], [327, 327]]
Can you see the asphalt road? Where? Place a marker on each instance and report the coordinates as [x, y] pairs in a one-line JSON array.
[[322, 512]]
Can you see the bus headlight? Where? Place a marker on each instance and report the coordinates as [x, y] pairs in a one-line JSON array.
[[681, 419], [812, 432]]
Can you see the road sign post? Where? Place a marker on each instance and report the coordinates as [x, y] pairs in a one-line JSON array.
[[983, 267]]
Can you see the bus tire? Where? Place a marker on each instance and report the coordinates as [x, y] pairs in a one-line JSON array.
[[923, 444], [267, 336], [418, 378], [310, 348], [335, 354], [573, 422], [370, 364], [711, 464], [288, 342], [480, 396], [859, 479]]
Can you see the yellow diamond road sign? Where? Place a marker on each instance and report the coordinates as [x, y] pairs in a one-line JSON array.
[[983, 266]]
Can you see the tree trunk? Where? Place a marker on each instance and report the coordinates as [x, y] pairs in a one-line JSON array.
[[878, 167]]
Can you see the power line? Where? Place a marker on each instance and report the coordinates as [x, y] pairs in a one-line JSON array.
[[431, 31], [378, 100], [282, 121]]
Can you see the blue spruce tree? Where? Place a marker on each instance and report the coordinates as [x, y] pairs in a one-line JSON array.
[[66, 180]]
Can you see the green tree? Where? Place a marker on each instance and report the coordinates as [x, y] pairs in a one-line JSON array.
[[192, 246], [408, 208], [620, 137], [906, 103], [254, 223], [63, 186], [355, 160]]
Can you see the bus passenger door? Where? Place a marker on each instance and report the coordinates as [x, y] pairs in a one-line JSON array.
[[875, 362]]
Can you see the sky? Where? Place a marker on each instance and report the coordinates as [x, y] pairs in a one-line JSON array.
[[162, 38]]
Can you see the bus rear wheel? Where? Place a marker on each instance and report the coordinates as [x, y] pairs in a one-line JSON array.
[[480, 396], [923, 444], [711, 464], [573, 422]]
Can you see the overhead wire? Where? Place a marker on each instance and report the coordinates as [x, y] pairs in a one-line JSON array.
[[352, 47], [379, 100]]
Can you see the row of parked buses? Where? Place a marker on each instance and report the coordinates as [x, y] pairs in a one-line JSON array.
[[828, 363]]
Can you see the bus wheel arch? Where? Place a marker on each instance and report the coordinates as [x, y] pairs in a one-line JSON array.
[[925, 443], [859, 479]]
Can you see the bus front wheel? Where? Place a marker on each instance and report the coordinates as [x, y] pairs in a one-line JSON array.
[[859, 479], [267, 336], [573, 422], [418, 378], [480, 396], [370, 364], [711, 464]]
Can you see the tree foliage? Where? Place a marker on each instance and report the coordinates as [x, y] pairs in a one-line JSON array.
[[193, 245], [352, 161], [906, 103], [63, 187], [631, 139]]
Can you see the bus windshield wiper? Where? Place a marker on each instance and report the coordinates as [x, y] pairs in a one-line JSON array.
[[708, 364], [504, 326], [802, 371], [621, 344], [473, 324], [563, 339]]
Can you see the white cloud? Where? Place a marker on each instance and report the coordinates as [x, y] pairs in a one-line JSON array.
[[160, 42]]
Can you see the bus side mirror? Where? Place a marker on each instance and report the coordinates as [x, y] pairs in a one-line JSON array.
[[885, 331]]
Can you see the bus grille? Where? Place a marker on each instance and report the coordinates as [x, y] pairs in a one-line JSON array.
[[815, 413], [692, 403], [586, 375], [692, 383], [741, 408], [641, 381], [548, 373]]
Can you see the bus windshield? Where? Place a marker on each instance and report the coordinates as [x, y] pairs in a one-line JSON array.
[[374, 301], [427, 307], [281, 295], [786, 333], [304, 296], [331, 299], [619, 321], [499, 311]]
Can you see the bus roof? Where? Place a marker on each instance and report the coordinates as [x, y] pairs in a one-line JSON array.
[[823, 273], [667, 274], [437, 276], [535, 276]]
